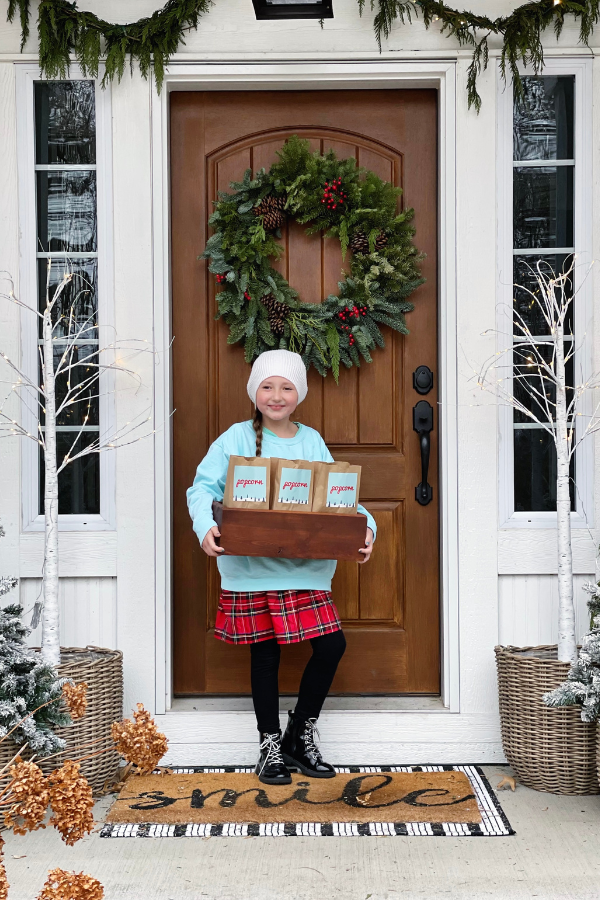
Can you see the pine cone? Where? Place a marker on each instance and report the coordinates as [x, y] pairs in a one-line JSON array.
[[381, 241], [272, 209], [277, 313], [359, 242]]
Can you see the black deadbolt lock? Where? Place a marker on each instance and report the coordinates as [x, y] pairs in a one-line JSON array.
[[422, 379]]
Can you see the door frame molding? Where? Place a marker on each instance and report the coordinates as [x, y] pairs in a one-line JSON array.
[[363, 75]]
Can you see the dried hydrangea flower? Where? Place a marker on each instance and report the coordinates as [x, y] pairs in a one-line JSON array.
[[140, 742], [72, 803], [62, 885], [4, 885], [28, 793], [75, 696]]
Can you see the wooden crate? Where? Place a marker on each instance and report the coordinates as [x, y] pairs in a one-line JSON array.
[[290, 535]]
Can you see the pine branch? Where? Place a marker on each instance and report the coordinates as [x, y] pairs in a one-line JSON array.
[[24, 11]]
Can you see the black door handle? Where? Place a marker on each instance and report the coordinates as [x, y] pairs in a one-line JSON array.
[[423, 425]]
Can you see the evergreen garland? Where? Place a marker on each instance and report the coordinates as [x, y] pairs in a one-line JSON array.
[[521, 31], [339, 200], [64, 30]]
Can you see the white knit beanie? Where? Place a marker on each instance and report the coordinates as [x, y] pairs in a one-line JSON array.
[[278, 362]]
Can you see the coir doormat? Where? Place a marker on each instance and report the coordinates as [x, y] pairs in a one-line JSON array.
[[452, 801]]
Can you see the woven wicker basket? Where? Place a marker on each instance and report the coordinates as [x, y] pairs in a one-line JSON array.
[[550, 749], [102, 670]]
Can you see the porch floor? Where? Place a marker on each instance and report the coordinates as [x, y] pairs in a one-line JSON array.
[[553, 856]]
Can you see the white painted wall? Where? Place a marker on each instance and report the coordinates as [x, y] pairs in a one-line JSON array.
[[88, 610], [507, 589], [9, 318], [528, 609]]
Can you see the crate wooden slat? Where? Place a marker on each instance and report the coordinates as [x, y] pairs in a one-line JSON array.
[[287, 535]]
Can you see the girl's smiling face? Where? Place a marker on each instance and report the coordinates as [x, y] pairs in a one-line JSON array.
[[276, 398]]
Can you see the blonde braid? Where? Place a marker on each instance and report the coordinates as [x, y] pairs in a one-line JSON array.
[[257, 424]]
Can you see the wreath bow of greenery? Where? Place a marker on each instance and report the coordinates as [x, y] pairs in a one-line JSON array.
[[338, 199]]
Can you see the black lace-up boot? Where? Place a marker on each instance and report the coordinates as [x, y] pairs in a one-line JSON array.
[[300, 750], [270, 767]]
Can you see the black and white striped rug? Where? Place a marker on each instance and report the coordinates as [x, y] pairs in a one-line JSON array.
[[493, 820]]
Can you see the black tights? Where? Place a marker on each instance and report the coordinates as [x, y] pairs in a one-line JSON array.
[[328, 649]]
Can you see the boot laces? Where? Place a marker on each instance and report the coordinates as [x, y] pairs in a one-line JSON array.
[[271, 743], [310, 735]]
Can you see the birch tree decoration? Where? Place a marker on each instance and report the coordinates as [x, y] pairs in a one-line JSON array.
[[74, 372], [531, 376]]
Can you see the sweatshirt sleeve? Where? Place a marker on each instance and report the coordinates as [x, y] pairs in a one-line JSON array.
[[209, 485], [327, 457]]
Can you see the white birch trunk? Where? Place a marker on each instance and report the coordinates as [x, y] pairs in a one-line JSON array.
[[50, 616], [567, 645]]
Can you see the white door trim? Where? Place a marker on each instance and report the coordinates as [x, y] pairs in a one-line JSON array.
[[440, 75]]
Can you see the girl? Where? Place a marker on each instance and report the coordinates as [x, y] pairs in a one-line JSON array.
[[268, 602]]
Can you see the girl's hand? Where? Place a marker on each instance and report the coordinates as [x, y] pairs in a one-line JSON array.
[[209, 544], [367, 550]]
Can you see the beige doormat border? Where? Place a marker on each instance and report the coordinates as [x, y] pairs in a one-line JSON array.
[[493, 820]]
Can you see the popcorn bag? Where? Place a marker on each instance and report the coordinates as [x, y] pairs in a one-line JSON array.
[[336, 488], [248, 483], [292, 484]]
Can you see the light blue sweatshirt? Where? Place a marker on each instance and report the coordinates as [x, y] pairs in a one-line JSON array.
[[257, 573]]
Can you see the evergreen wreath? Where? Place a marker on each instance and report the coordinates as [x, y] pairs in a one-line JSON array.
[[64, 31], [335, 197]]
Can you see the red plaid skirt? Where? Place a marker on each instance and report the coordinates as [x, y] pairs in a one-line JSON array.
[[288, 616]]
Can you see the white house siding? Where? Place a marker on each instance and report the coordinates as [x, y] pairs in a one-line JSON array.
[[88, 610], [528, 609], [507, 592], [9, 318]]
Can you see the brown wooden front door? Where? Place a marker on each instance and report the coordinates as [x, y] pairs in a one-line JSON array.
[[390, 607]]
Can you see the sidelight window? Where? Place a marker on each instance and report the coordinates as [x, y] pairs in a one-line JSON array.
[[63, 174], [67, 241], [543, 231], [550, 227]]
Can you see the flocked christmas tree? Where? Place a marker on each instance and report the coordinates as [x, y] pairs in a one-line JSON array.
[[594, 601], [582, 687], [26, 683], [7, 582]]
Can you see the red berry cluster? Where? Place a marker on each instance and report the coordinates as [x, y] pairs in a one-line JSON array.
[[333, 195], [247, 296], [221, 279], [347, 314], [355, 313]]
